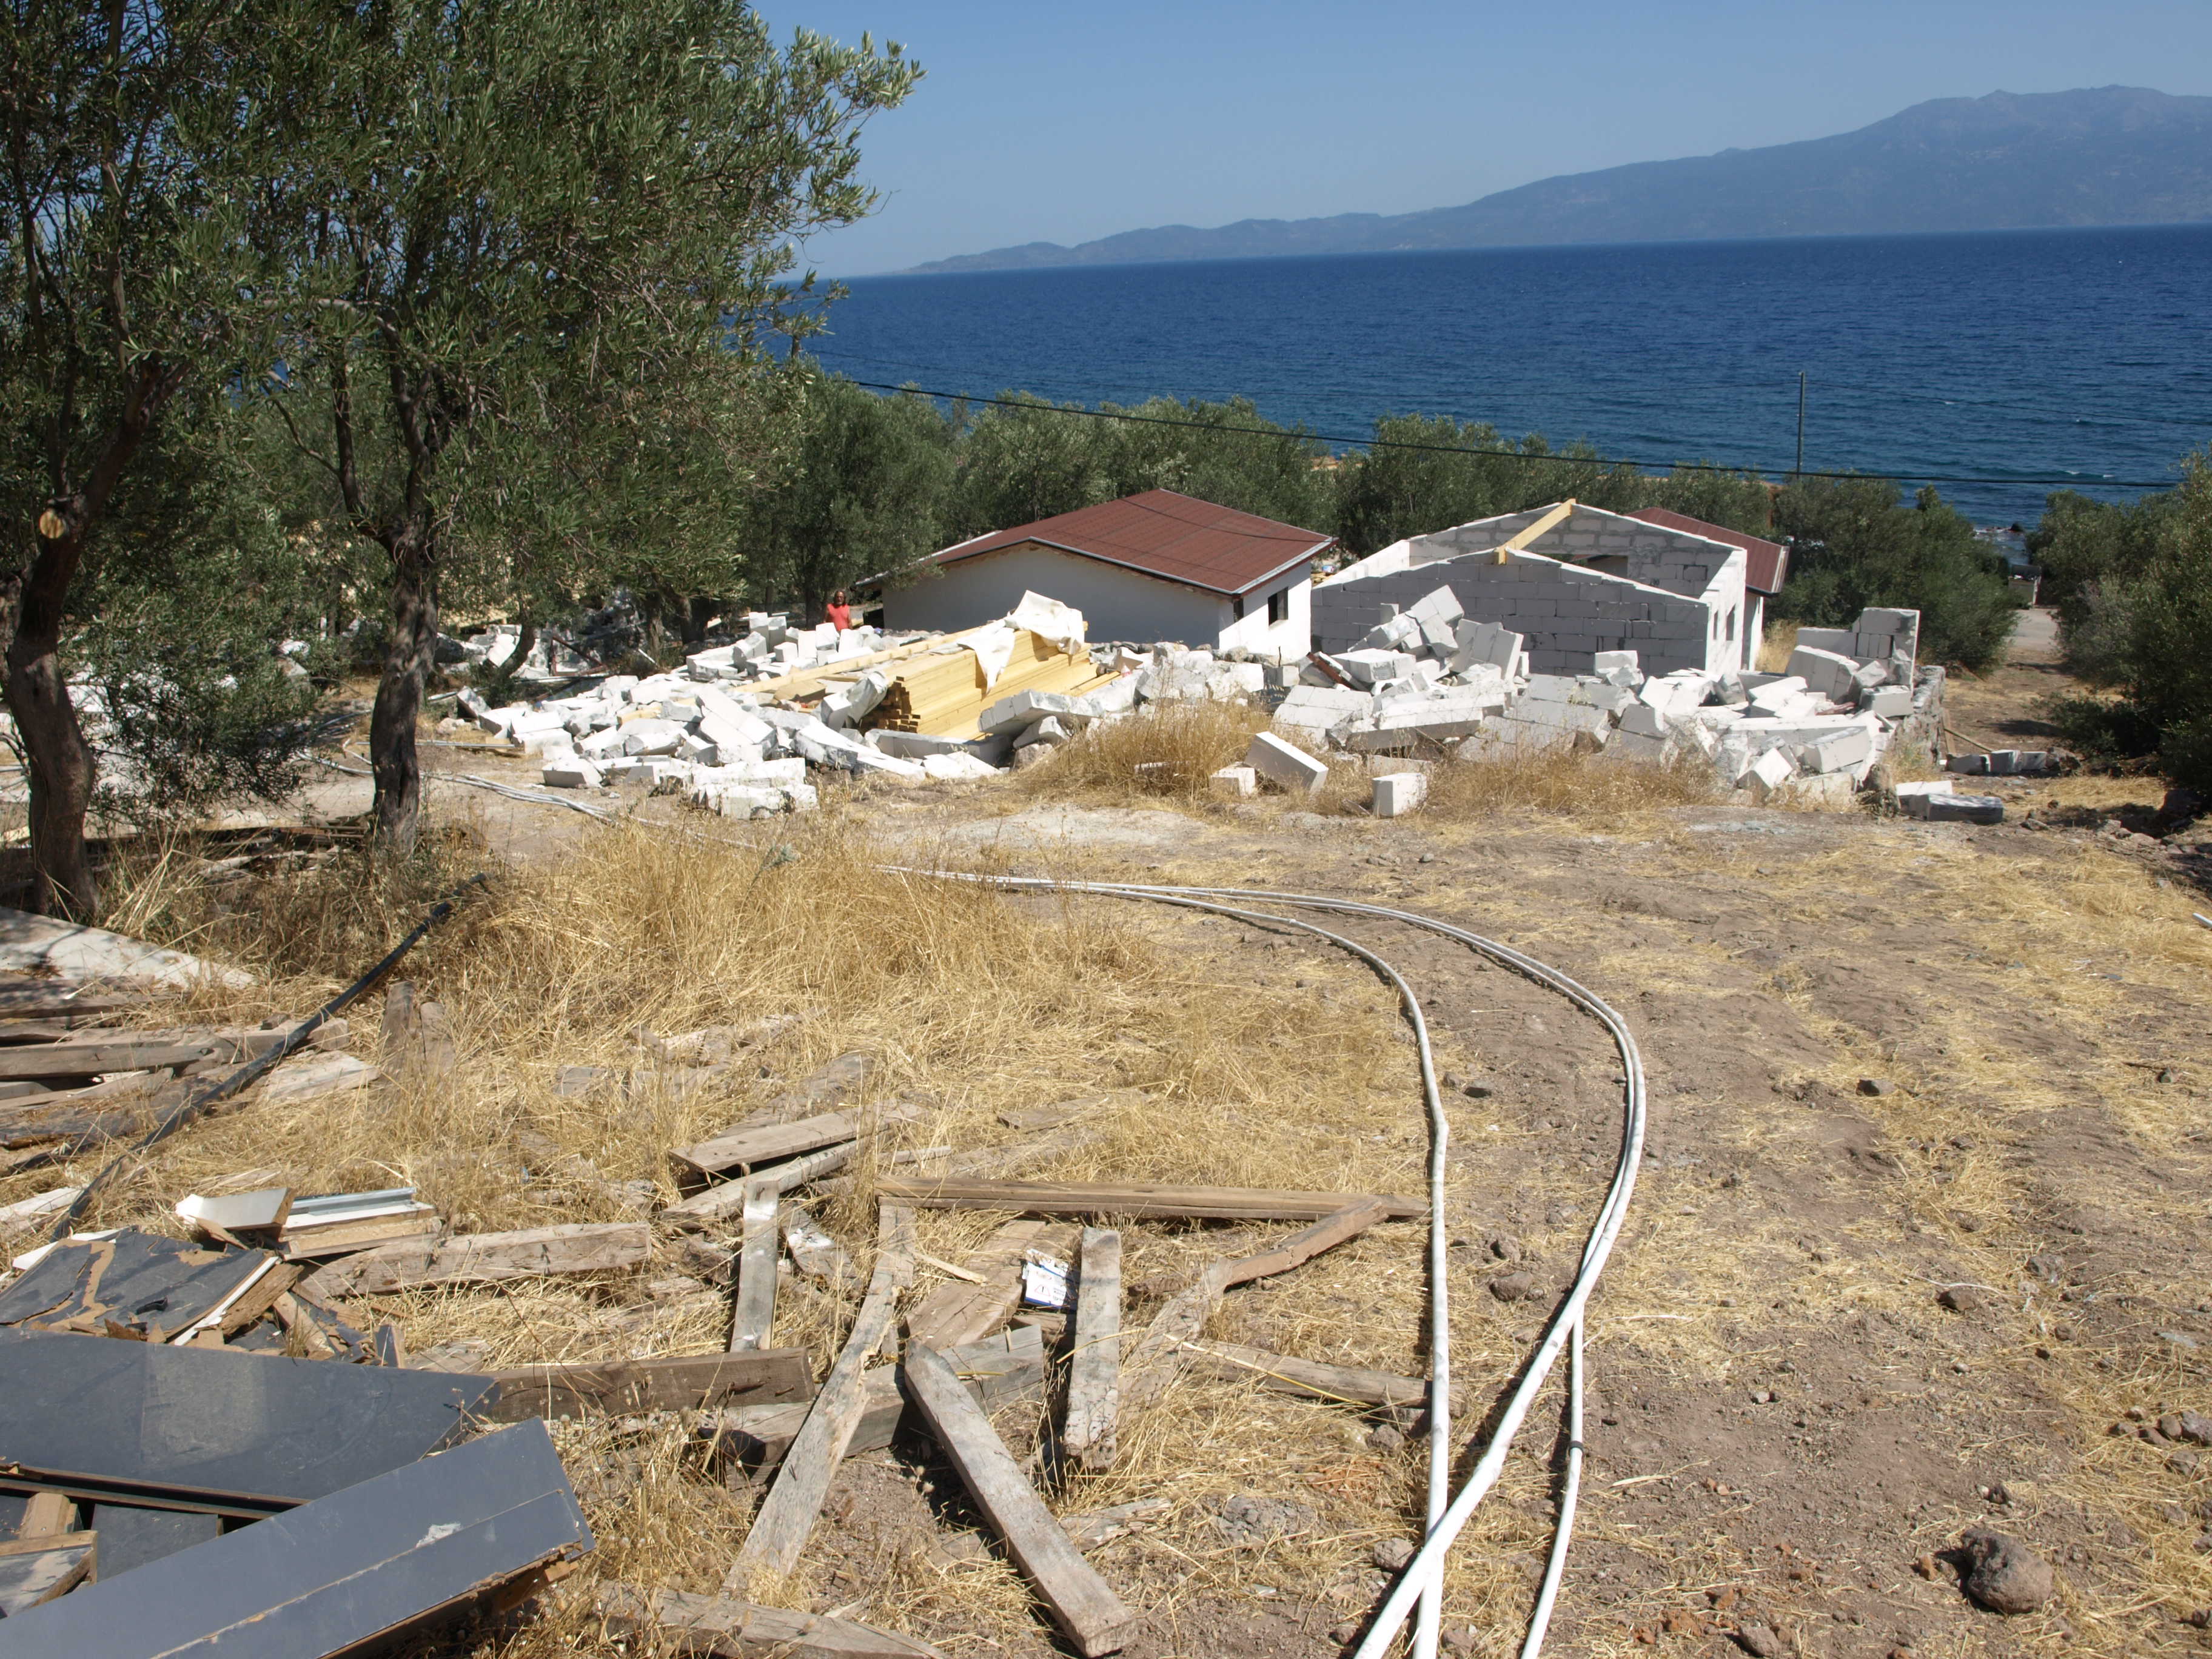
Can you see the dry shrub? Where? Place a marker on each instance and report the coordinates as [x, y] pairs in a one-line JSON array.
[[1566, 783], [1169, 749], [1775, 647]]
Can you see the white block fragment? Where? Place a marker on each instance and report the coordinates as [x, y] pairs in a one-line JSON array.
[[1397, 793], [1237, 782], [571, 771], [1285, 765]]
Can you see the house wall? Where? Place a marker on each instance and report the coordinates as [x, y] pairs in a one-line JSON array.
[[1116, 603], [1568, 612], [1287, 641]]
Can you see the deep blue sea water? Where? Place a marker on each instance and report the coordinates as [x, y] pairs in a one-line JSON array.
[[2085, 355]]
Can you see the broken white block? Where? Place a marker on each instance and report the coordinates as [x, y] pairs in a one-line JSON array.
[[1825, 673], [697, 749], [956, 767], [1399, 633], [1891, 702], [1768, 773], [740, 800], [1620, 667], [601, 746], [571, 771], [1237, 782], [1050, 730], [1022, 710], [778, 772], [651, 737], [1397, 793], [1839, 751], [1285, 764], [1366, 667]]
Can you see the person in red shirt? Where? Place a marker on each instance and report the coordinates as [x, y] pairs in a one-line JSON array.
[[838, 613]]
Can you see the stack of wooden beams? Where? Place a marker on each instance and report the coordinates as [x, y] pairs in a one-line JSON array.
[[945, 696]]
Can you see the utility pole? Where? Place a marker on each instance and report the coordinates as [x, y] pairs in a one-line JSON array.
[[1800, 423]]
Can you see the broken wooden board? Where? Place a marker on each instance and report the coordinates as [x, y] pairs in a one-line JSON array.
[[819, 1090], [438, 1536], [1158, 1353], [76, 1059], [45, 944], [57, 999], [727, 1629], [310, 1077], [786, 1519], [136, 1284], [748, 1145], [1311, 1379], [347, 1237], [212, 1429], [728, 1199], [34, 1570], [1094, 1371], [1135, 1200], [958, 1313], [1000, 1371], [487, 1258], [620, 1388], [1095, 1619], [813, 1252], [753, 1323]]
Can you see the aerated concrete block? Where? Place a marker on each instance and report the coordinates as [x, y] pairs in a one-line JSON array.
[[571, 772], [1825, 673], [1617, 667], [1051, 731], [1972, 766], [1836, 640], [1285, 765], [1365, 667], [1397, 793], [958, 767], [1891, 702], [1768, 773], [1022, 710], [1964, 809], [1837, 752], [651, 737], [1237, 782]]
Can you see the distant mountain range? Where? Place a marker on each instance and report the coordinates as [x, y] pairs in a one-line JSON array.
[[2104, 155]]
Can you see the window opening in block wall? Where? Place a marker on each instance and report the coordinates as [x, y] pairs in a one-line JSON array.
[[1236, 607], [1731, 625], [1278, 606]]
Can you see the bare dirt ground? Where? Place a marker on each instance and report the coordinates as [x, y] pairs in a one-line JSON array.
[[1919, 1243]]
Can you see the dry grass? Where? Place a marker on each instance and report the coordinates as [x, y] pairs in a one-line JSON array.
[[1170, 749], [1775, 647], [1566, 783], [951, 987]]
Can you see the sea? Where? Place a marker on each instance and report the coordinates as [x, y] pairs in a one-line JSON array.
[[1999, 364]]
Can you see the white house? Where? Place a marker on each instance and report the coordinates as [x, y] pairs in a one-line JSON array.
[[1158, 566]]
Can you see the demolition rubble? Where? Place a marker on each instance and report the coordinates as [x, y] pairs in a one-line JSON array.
[[1425, 684]]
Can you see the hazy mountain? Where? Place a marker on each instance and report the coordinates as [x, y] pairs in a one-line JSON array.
[[2106, 155]]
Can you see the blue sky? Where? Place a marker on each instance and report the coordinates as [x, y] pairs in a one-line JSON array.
[[1058, 123]]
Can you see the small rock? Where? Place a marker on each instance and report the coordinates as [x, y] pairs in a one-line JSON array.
[[1759, 1641], [1343, 1634], [1504, 1246], [1964, 1298], [2047, 1268], [1391, 1554], [1246, 1519], [2189, 1425], [2182, 1463], [1459, 1641], [2174, 1515], [2005, 1575], [1876, 1086], [1384, 1439], [1513, 1287]]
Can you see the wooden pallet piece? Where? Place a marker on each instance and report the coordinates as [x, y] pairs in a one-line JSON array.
[[486, 1258], [675, 1383], [729, 1629], [1094, 1374], [1158, 1356], [1308, 1378], [787, 1517], [754, 1319], [958, 1313], [1137, 1200], [1084, 1606]]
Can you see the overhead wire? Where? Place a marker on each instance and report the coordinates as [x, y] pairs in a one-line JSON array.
[[1505, 452]]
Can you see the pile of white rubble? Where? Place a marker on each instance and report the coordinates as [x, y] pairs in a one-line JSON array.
[[1430, 680]]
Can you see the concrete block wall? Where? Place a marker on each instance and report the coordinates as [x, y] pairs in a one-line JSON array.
[[1569, 613]]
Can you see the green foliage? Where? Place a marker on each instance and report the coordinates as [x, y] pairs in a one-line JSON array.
[[1388, 494], [868, 491], [2080, 544], [1855, 543], [2144, 626], [1738, 501], [1227, 454]]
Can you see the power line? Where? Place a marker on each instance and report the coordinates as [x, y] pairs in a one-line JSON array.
[[1512, 454]]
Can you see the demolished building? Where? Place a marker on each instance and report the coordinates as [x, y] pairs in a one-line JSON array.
[[1572, 580]]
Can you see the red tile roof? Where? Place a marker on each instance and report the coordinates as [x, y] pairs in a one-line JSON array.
[[1766, 563], [1176, 537]]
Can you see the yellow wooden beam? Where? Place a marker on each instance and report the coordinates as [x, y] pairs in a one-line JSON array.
[[1521, 538]]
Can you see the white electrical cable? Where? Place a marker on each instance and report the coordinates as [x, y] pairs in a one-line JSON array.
[[1421, 1579], [1539, 1621]]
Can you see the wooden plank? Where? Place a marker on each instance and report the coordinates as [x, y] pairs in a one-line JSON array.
[[813, 1252], [728, 1629], [48, 1515], [487, 1258], [741, 1148], [1310, 1378], [1159, 1353], [1528, 533], [93, 1059], [729, 1198], [680, 1382], [787, 1517], [38, 1570], [1136, 1199], [754, 1319], [1094, 1376], [964, 1312], [1095, 1619], [25, 1543]]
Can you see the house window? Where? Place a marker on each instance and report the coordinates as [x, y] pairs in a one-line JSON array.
[[1731, 633], [1278, 606], [1236, 607]]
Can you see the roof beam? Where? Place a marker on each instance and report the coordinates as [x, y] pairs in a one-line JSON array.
[[1521, 538]]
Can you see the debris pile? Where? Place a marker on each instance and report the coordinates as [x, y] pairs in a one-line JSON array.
[[1432, 682]]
